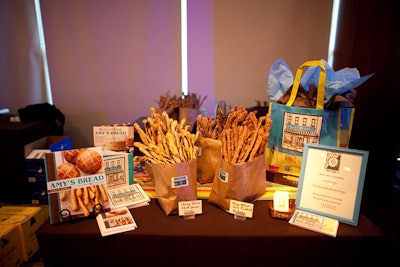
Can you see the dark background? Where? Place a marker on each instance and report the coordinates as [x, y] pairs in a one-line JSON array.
[[369, 39]]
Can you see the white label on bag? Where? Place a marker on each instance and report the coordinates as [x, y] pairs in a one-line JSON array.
[[223, 176], [180, 181]]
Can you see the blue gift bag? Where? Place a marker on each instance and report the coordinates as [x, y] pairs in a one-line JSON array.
[[292, 127]]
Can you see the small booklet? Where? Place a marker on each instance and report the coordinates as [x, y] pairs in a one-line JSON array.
[[131, 196], [314, 222], [115, 221]]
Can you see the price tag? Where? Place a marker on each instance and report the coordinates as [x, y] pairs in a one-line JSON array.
[[189, 209], [241, 210]]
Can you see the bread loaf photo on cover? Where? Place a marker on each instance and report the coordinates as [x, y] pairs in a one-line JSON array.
[[89, 161]]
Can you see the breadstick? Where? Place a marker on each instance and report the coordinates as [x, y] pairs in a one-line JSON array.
[[143, 136], [260, 121], [171, 143], [74, 201], [256, 147], [103, 192], [152, 111], [253, 119], [97, 199], [246, 147], [63, 195], [228, 143], [240, 116], [86, 196], [239, 145], [79, 192], [83, 207], [91, 193]]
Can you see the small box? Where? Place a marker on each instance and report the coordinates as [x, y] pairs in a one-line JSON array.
[[27, 220], [35, 167], [9, 241], [52, 142], [38, 192], [114, 137], [35, 164], [34, 155], [36, 173]]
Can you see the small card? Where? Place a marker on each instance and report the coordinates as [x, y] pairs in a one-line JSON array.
[[314, 222], [281, 201], [116, 221], [187, 208], [239, 208]]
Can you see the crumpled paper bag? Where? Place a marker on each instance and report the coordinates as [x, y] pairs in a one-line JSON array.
[[208, 158], [174, 183], [244, 182]]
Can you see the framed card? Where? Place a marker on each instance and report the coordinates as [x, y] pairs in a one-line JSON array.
[[331, 182]]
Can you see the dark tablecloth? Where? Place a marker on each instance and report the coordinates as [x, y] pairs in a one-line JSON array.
[[213, 238]]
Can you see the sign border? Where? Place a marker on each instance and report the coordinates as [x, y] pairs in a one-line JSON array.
[[359, 183]]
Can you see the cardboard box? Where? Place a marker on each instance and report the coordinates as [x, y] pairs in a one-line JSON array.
[[38, 192], [52, 142], [34, 154], [114, 137], [35, 168], [9, 253], [36, 174], [27, 220]]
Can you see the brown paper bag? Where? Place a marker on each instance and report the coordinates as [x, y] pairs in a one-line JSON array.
[[190, 115], [242, 182], [207, 159], [174, 183]]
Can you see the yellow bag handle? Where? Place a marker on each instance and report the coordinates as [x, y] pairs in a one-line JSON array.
[[321, 83]]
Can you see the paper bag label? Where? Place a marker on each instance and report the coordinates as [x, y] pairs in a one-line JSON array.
[[223, 176], [180, 181]]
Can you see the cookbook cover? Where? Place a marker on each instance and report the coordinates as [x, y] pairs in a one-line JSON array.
[[76, 183]]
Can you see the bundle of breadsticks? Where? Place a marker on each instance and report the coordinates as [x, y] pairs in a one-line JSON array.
[[167, 103], [191, 100], [243, 136], [211, 127], [165, 140]]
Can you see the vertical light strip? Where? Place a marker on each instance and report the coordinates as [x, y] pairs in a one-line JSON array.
[[184, 55], [332, 37], [43, 50]]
